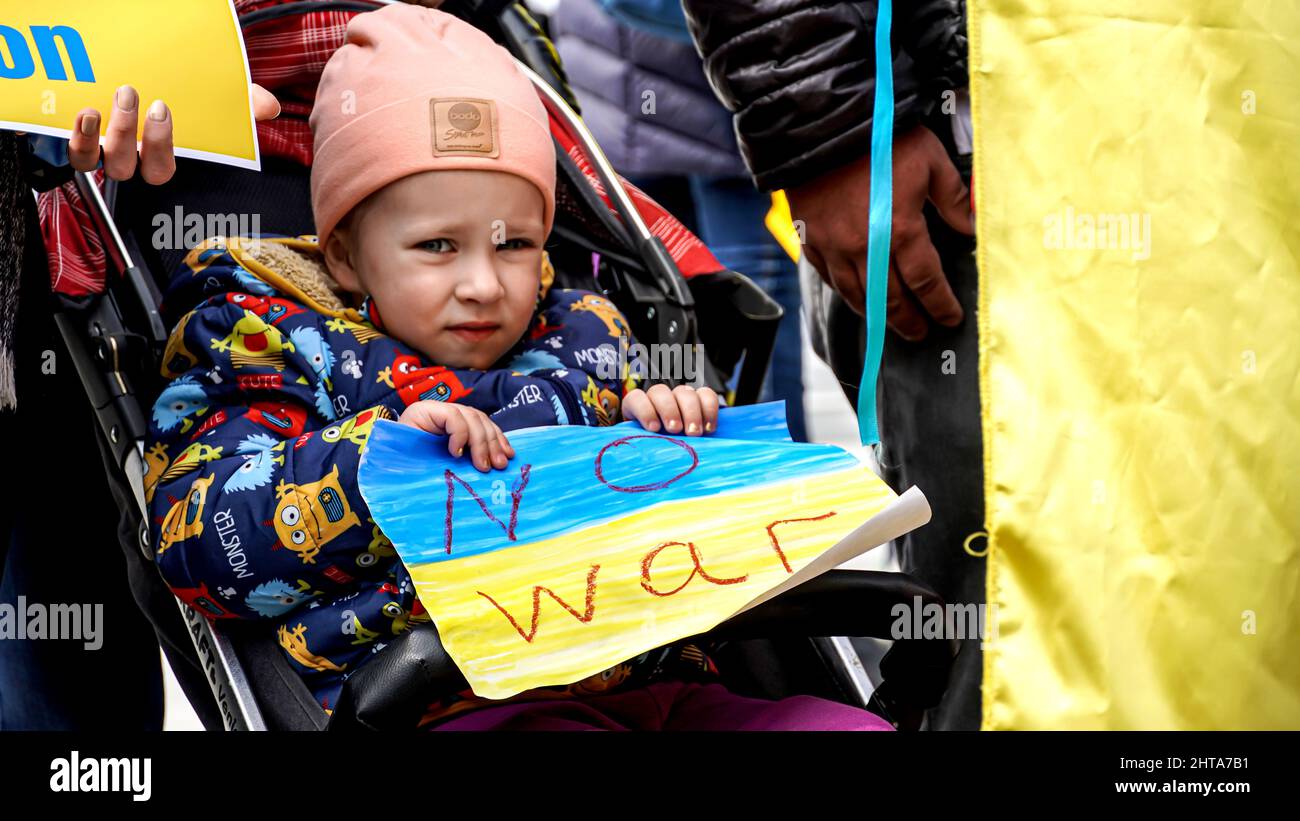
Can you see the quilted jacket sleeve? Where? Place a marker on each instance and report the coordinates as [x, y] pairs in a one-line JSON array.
[[252, 513], [799, 75]]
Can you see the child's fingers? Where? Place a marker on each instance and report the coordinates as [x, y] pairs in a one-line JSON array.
[[500, 448], [637, 406], [480, 452], [689, 406], [666, 406], [83, 145], [427, 416], [457, 430], [157, 155], [709, 407], [119, 141]]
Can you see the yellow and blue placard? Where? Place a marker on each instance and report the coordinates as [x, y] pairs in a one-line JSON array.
[[59, 56], [598, 544]]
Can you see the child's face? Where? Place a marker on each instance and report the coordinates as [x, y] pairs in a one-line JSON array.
[[452, 260]]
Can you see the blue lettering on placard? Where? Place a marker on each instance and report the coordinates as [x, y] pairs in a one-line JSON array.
[[19, 64]]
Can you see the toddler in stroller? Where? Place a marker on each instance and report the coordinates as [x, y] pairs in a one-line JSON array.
[[425, 298]]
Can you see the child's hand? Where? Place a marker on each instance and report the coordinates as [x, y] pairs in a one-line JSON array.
[[694, 410], [488, 446]]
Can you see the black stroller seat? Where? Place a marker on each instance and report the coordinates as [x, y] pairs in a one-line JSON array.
[[234, 673]]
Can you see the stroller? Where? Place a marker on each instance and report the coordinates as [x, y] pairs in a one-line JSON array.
[[234, 674]]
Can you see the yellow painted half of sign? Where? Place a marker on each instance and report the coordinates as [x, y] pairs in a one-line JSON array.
[[1137, 184], [608, 615], [190, 55]]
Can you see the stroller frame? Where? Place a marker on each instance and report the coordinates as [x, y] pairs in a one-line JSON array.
[[98, 331]]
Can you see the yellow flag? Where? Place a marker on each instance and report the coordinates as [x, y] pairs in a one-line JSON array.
[[59, 56], [1137, 180]]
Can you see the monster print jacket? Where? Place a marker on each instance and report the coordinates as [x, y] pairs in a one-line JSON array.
[[254, 444]]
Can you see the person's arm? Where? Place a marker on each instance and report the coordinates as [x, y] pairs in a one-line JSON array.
[[250, 516], [800, 78]]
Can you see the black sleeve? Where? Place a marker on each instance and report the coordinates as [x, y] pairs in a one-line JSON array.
[[799, 75]]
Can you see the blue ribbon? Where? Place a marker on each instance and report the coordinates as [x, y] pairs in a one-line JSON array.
[[880, 226]]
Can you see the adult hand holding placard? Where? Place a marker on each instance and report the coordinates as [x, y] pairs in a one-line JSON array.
[[157, 158], [62, 56]]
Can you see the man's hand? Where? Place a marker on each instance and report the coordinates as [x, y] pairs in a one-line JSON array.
[[834, 211], [156, 161], [692, 410], [462, 425]]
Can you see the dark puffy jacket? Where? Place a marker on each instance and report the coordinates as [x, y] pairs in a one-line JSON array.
[[611, 67], [799, 75]]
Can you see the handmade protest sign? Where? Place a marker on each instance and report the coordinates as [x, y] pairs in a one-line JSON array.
[[59, 56], [598, 544]]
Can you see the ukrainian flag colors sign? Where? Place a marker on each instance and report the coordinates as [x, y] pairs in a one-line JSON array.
[[1137, 173], [59, 56], [598, 544]]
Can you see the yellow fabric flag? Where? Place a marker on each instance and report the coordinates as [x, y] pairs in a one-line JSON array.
[[1137, 173]]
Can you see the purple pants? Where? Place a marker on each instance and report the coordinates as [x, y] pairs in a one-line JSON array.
[[670, 705]]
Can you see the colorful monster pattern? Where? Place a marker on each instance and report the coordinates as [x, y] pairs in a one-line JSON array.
[[254, 445]]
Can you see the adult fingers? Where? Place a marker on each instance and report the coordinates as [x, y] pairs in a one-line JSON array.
[[157, 155], [949, 194], [119, 142], [918, 263], [265, 106], [848, 278], [688, 404], [901, 313], [83, 145]]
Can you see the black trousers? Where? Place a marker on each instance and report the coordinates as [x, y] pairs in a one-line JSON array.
[[929, 408], [59, 543]]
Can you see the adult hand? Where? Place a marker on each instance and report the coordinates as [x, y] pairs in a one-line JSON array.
[[833, 209], [156, 161]]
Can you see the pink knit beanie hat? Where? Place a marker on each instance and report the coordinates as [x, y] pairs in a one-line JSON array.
[[414, 89]]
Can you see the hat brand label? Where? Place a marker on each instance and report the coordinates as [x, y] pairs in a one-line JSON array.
[[464, 127]]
